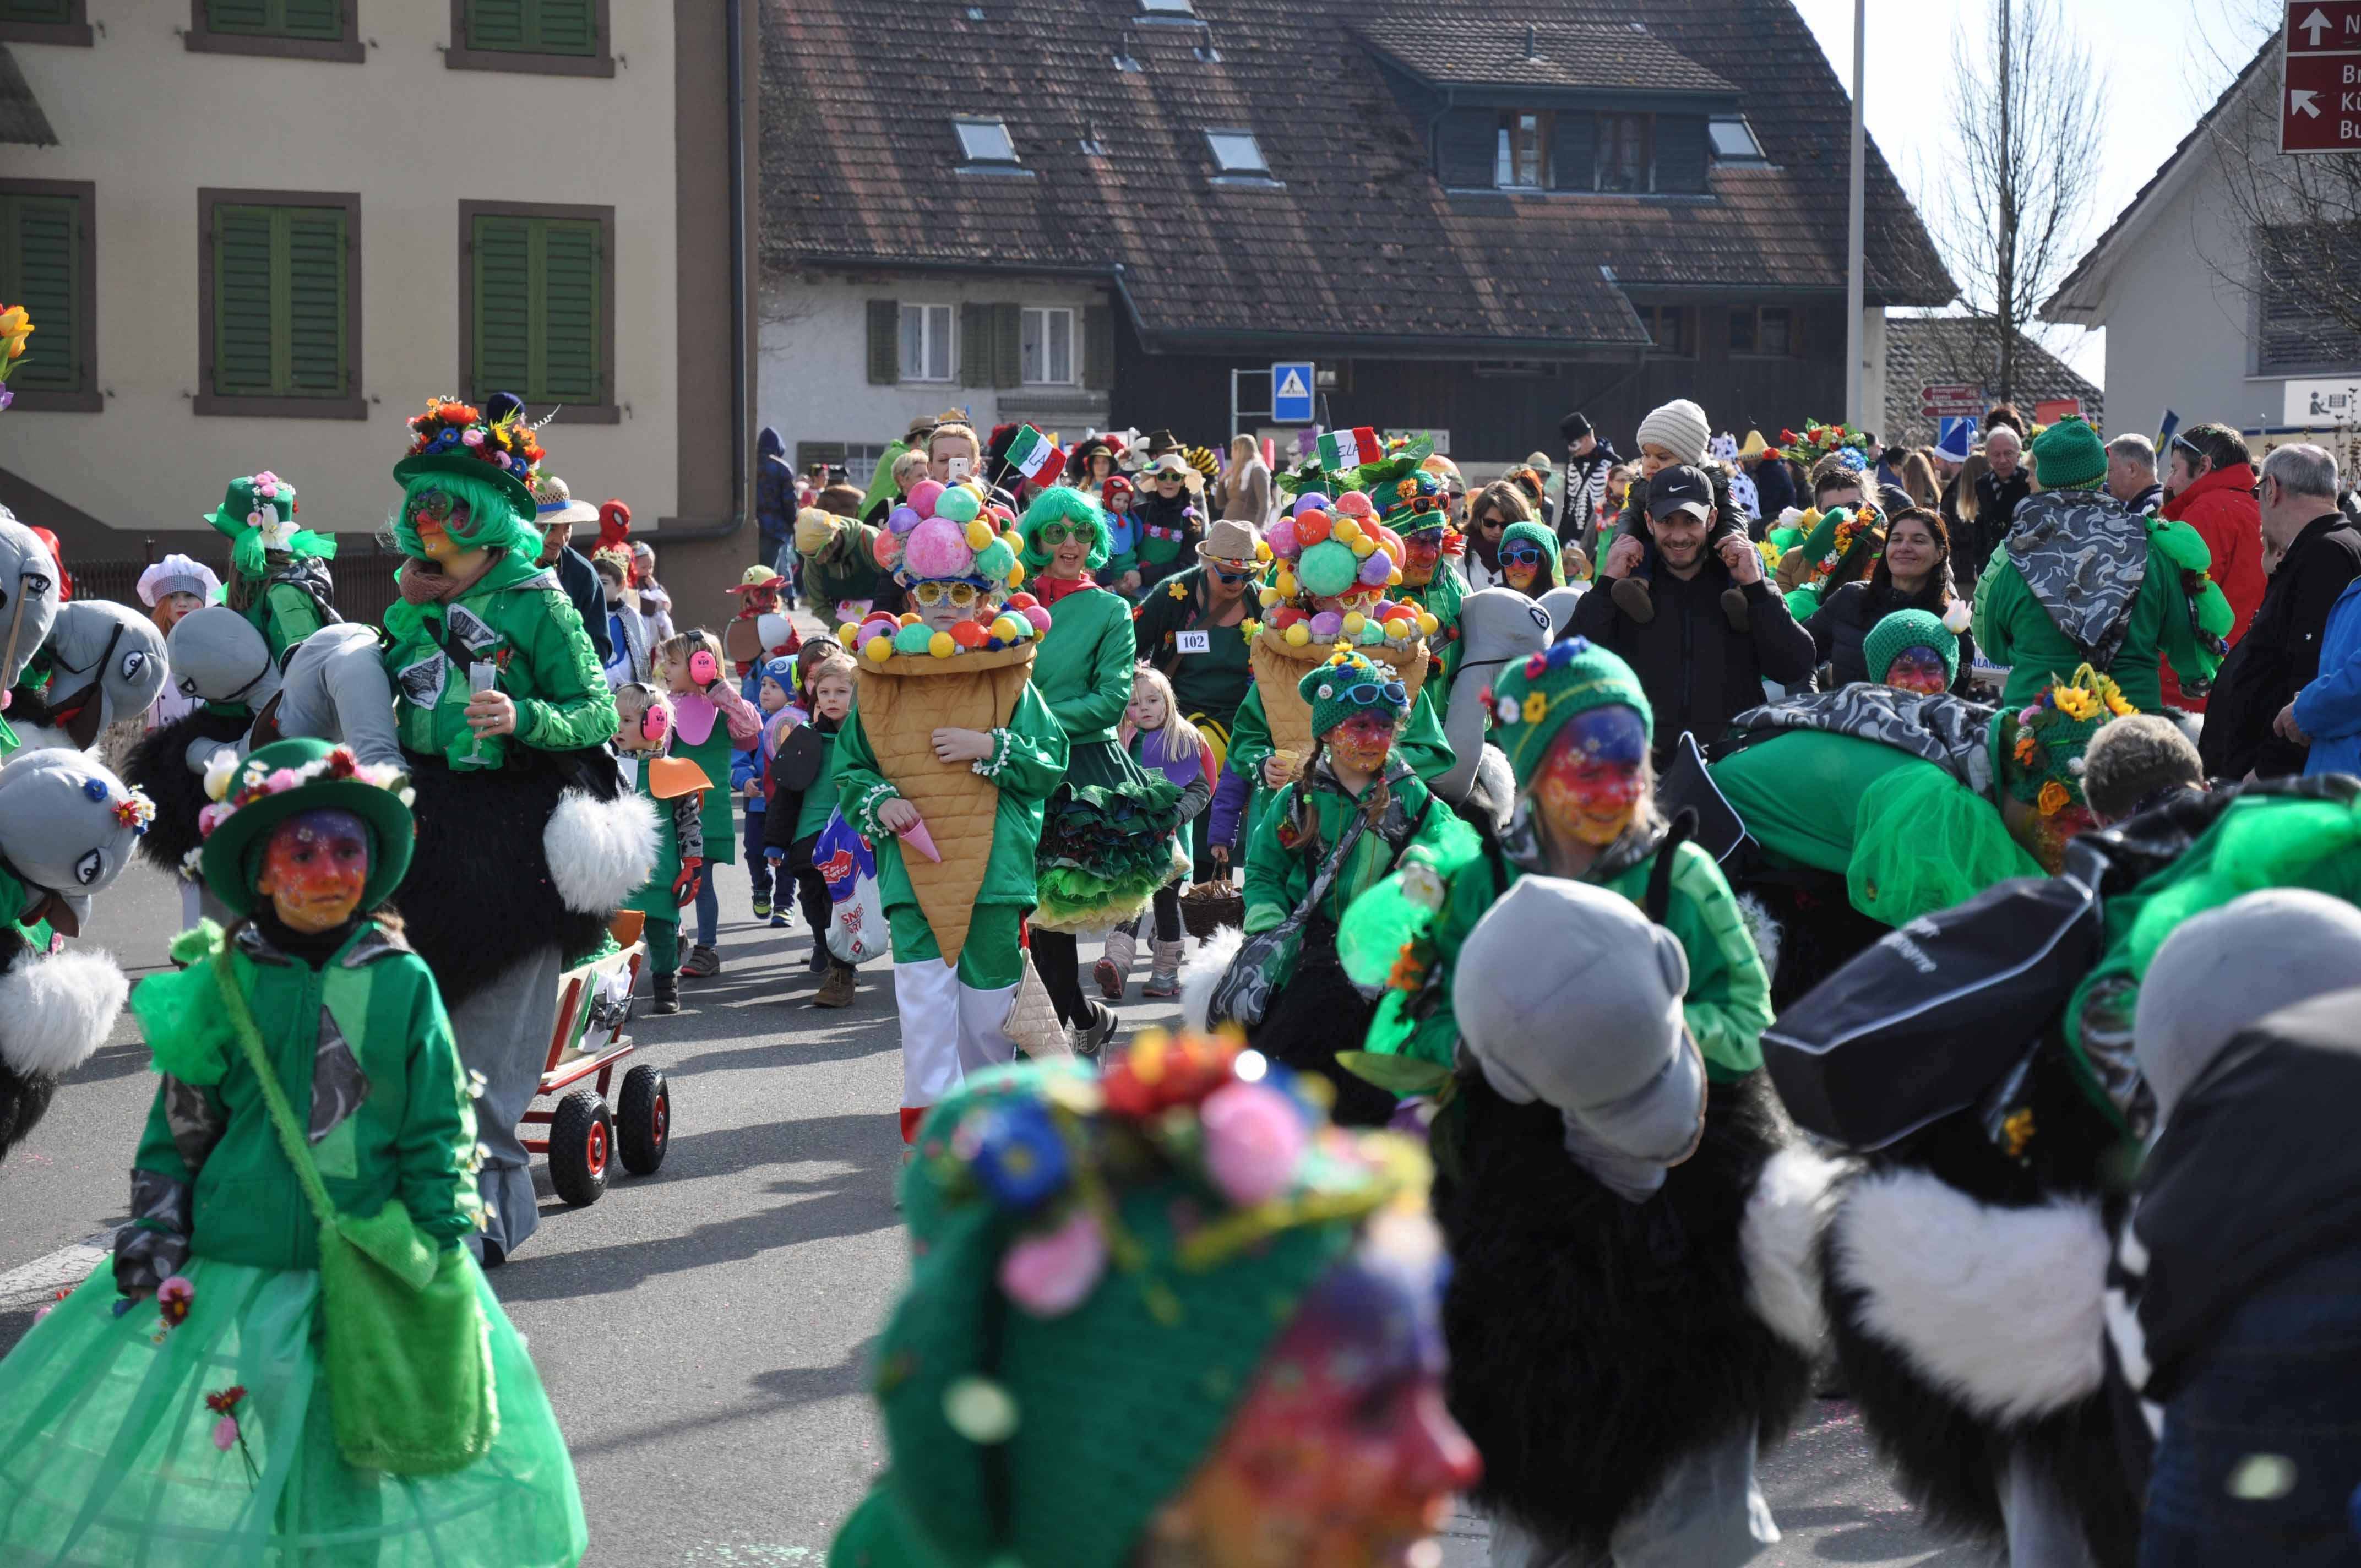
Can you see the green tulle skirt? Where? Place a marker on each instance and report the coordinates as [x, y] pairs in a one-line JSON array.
[[1107, 841], [108, 1454]]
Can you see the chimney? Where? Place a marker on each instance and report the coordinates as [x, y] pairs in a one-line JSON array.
[[1533, 42]]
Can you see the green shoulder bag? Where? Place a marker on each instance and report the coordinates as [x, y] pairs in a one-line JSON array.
[[407, 1348]]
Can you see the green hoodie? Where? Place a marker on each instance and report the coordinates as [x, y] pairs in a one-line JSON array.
[[517, 617]]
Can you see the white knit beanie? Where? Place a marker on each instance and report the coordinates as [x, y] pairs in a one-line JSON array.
[[1680, 428]]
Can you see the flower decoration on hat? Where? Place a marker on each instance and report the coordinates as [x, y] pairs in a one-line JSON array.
[[2044, 741], [450, 427], [1349, 682], [258, 516], [235, 787], [1535, 698], [1817, 441]]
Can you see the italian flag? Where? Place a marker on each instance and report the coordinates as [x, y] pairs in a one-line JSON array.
[[1340, 449], [1034, 454]]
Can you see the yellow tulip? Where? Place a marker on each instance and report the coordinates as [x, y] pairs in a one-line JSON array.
[[13, 321]]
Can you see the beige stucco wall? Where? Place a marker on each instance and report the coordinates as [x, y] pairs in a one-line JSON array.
[[152, 122]]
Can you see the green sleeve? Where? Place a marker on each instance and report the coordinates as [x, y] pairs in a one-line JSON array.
[[293, 616], [1029, 760], [1250, 744], [1421, 742], [1276, 876], [1728, 1002], [573, 706], [1101, 706], [860, 785], [2178, 645], [435, 1149], [1999, 595]]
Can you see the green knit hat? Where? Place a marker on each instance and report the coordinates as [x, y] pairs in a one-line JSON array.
[[1098, 1265], [285, 779], [258, 516], [2040, 746], [1905, 630], [1409, 499], [1346, 683], [1539, 537], [1535, 699], [2068, 455]]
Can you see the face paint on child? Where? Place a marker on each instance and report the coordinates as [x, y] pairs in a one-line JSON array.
[[1363, 742], [314, 868], [1918, 670], [1591, 782], [1420, 556], [1342, 1454]]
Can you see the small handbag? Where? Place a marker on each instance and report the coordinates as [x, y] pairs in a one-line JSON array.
[[1265, 960], [406, 1347], [1032, 1020]]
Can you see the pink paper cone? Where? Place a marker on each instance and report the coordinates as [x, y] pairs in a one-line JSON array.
[[923, 841]]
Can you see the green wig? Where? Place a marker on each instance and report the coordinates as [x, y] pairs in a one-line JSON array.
[[1063, 503], [492, 520]]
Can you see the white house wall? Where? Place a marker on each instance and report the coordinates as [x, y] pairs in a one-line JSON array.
[[150, 122], [814, 373]]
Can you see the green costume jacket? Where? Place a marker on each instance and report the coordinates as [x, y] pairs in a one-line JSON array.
[[1083, 668], [285, 615], [1278, 876], [1034, 763], [1728, 1004], [2013, 629], [680, 829], [819, 799], [1420, 742], [362, 1041], [845, 568], [517, 616], [1440, 599], [1213, 683]]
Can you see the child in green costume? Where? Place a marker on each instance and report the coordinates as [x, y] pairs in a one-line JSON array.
[[710, 718], [678, 787], [176, 1408], [1576, 728], [279, 572], [1358, 811]]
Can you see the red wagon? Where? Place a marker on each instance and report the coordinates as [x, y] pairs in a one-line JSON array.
[[587, 1133]]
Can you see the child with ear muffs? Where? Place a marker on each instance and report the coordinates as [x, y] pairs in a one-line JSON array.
[[676, 787]]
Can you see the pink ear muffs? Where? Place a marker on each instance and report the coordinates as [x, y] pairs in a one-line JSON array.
[[704, 668], [656, 719]]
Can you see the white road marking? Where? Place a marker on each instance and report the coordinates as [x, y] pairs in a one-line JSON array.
[[42, 1278]]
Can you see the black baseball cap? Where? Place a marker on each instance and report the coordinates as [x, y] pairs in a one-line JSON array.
[[1680, 489]]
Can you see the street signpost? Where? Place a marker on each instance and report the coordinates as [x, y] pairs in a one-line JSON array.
[[1945, 423], [1291, 390], [2320, 77], [1952, 400]]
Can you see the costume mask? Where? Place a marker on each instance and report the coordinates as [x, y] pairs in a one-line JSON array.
[[314, 868], [1590, 783], [1918, 670], [1363, 742], [1342, 1454]]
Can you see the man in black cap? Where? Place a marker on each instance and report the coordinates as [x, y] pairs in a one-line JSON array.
[[1698, 670], [1587, 459]]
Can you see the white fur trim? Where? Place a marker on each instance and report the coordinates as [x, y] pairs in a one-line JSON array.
[[599, 851], [1202, 971], [2000, 1308], [1766, 929], [32, 737], [55, 1011], [1780, 1242]]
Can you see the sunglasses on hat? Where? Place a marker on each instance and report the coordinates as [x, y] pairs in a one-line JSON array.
[[1368, 694]]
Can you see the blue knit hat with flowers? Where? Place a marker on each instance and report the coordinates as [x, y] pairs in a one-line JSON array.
[[1534, 699], [1348, 682]]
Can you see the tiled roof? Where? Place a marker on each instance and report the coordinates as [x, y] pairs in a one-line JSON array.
[[1357, 240], [1935, 351], [21, 119], [1625, 59]]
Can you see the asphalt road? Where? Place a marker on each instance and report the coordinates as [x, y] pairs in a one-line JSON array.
[[702, 1331]]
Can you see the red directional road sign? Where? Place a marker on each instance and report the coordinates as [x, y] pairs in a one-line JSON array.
[[1955, 400], [2320, 77]]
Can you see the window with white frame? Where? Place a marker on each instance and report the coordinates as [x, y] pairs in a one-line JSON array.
[[860, 461], [926, 343], [1236, 152], [985, 141], [1045, 352]]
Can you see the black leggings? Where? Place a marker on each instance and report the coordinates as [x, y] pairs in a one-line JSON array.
[[1168, 913], [1060, 966]]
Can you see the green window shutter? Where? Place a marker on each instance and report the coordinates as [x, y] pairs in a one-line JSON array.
[[1098, 347], [238, 16], [539, 309], [317, 366], [884, 343], [312, 19], [276, 18], [496, 24], [35, 11], [571, 313], [1007, 343], [976, 345], [40, 269], [243, 265], [534, 27]]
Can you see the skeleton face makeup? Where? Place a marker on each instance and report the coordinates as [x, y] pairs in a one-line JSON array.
[[314, 868], [1918, 670], [1592, 780]]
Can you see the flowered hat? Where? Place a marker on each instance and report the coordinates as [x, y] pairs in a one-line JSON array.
[[2041, 745], [258, 516], [1535, 699], [452, 437], [1098, 1267], [1347, 683], [283, 780], [1897, 634], [1815, 441], [1412, 498]]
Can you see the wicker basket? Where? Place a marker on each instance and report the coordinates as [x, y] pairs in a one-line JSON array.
[[1207, 906]]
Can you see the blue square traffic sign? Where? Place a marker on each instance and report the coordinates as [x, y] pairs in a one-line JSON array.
[[1291, 393]]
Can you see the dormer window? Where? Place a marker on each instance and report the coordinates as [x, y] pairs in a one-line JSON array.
[[986, 142], [1633, 154], [1179, 9]]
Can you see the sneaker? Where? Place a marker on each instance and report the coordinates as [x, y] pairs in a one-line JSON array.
[[667, 994], [1734, 610], [836, 990], [1632, 597], [778, 921], [703, 963], [1092, 1037], [762, 909]]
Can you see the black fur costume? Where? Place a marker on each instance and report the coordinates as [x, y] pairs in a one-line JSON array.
[[1595, 1342], [478, 898], [24, 1097], [159, 766]]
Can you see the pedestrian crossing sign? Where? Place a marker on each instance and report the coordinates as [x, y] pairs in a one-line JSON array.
[[1291, 393]]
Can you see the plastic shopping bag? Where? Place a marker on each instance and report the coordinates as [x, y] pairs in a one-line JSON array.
[[856, 919]]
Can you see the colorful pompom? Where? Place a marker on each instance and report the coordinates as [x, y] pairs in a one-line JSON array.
[[960, 504], [1282, 540], [1298, 635], [1038, 617], [1355, 503], [877, 650], [903, 518], [913, 640], [924, 495], [1327, 568], [979, 535], [942, 645], [1312, 527], [968, 634]]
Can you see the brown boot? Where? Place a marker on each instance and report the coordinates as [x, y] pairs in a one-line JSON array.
[[1632, 596], [836, 990], [1734, 610]]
